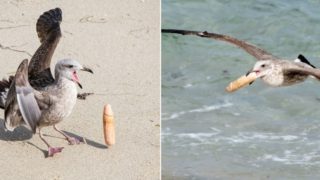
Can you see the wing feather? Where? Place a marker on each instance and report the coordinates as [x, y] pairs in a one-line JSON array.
[[255, 51], [21, 103], [28, 106], [304, 70], [49, 33]]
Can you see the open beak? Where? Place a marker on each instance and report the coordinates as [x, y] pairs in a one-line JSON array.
[[251, 71], [80, 86], [75, 78], [87, 69]]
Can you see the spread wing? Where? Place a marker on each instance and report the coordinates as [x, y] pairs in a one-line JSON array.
[[256, 52], [49, 33], [12, 115], [21, 102], [304, 70]]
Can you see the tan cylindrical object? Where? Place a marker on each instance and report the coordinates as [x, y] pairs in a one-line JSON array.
[[240, 82], [108, 125]]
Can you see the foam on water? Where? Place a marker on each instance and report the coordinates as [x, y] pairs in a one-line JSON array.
[[290, 157], [217, 136], [197, 110], [188, 85], [252, 140]]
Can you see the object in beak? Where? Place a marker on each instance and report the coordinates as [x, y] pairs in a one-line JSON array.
[[241, 82], [87, 69]]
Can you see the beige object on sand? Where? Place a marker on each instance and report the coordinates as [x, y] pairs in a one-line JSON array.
[[108, 125], [241, 82]]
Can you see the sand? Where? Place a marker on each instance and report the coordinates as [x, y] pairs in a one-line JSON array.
[[120, 41]]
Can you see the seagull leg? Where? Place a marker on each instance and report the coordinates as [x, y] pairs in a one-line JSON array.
[[71, 140], [51, 150]]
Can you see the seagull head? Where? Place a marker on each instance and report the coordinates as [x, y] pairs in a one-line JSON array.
[[69, 68], [263, 68]]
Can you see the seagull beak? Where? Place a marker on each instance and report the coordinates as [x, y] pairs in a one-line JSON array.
[[251, 71], [80, 86], [248, 72], [87, 69], [75, 78]]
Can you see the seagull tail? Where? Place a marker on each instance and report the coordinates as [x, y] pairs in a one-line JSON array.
[[4, 88]]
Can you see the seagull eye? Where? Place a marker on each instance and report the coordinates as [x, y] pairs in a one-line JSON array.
[[69, 66], [263, 65]]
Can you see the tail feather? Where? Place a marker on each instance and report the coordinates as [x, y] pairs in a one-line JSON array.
[[4, 88]]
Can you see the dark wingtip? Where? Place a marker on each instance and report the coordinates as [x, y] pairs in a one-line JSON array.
[[48, 21], [304, 60], [301, 56], [83, 96]]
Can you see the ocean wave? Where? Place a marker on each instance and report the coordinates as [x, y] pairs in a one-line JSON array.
[[188, 85], [216, 136], [290, 157], [197, 110]]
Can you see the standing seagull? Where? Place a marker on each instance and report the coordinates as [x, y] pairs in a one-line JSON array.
[[46, 107], [40, 76], [272, 70], [55, 97]]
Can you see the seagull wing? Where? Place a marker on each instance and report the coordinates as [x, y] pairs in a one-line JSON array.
[[49, 33], [21, 101], [303, 70], [256, 52], [12, 114]]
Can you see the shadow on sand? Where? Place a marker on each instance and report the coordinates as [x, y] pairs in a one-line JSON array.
[[88, 141], [22, 133], [19, 134]]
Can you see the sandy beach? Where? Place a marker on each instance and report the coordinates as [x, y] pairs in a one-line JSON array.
[[120, 41]]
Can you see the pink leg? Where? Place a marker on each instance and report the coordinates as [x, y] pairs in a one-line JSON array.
[[54, 150], [71, 140], [51, 150]]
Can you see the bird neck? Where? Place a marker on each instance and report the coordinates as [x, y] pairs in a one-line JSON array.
[[62, 81]]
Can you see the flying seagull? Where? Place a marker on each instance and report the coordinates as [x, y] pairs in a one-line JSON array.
[[272, 70], [35, 98], [40, 76], [47, 107]]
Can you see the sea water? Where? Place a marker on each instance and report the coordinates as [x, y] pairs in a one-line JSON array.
[[258, 132]]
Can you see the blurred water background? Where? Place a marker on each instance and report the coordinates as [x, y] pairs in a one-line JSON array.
[[258, 132]]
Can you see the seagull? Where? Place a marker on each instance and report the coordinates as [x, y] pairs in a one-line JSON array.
[[47, 107], [33, 97], [40, 76], [272, 70]]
